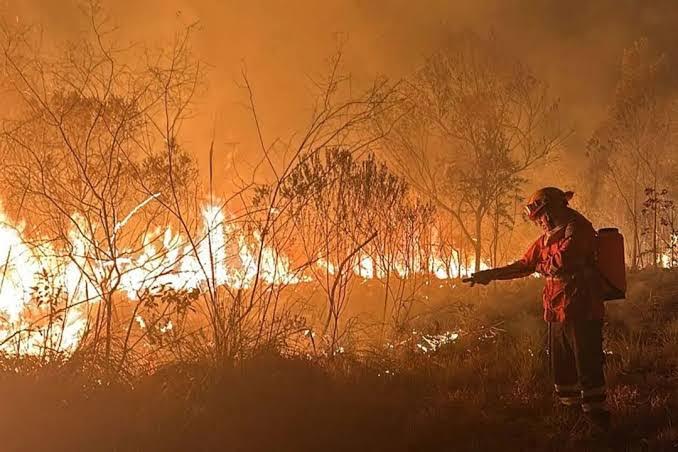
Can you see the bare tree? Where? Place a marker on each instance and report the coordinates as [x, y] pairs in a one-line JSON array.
[[355, 218], [661, 223], [473, 121], [78, 159], [629, 149]]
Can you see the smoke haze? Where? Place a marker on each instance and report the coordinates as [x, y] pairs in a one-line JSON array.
[[574, 46]]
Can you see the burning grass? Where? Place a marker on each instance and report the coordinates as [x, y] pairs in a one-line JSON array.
[[484, 388]]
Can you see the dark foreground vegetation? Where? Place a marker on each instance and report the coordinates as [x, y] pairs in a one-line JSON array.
[[488, 390]]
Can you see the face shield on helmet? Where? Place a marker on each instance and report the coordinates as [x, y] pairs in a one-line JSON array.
[[534, 208], [548, 197]]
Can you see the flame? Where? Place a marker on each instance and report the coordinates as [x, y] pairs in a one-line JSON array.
[[326, 266], [670, 256], [19, 269], [223, 254], [364, 267]]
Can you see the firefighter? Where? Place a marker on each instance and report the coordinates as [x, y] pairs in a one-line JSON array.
[[572, 300]]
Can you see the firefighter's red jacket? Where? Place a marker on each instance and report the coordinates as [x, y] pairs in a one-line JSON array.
[[566, 258]]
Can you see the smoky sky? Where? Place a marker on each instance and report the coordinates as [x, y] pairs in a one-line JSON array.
[[575, 46]]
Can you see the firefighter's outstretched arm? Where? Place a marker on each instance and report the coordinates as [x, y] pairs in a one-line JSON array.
[[519, 269]]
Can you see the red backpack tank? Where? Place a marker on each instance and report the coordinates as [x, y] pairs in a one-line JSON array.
[[611, 264]]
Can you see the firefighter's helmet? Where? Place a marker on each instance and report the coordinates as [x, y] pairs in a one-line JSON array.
[[547, 196]]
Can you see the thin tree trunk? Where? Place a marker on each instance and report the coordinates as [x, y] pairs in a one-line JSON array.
[[478, 240], [634, 215], [495, 245], [109, 321], [655, 251]]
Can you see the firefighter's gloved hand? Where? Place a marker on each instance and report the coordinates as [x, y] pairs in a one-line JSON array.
[[483, 277]]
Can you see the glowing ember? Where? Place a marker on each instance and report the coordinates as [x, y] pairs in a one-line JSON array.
[[432, 342]]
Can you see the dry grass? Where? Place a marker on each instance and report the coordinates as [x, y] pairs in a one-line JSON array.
[[482, 392]]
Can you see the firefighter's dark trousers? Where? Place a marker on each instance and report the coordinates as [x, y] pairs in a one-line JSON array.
[[577, 361]]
